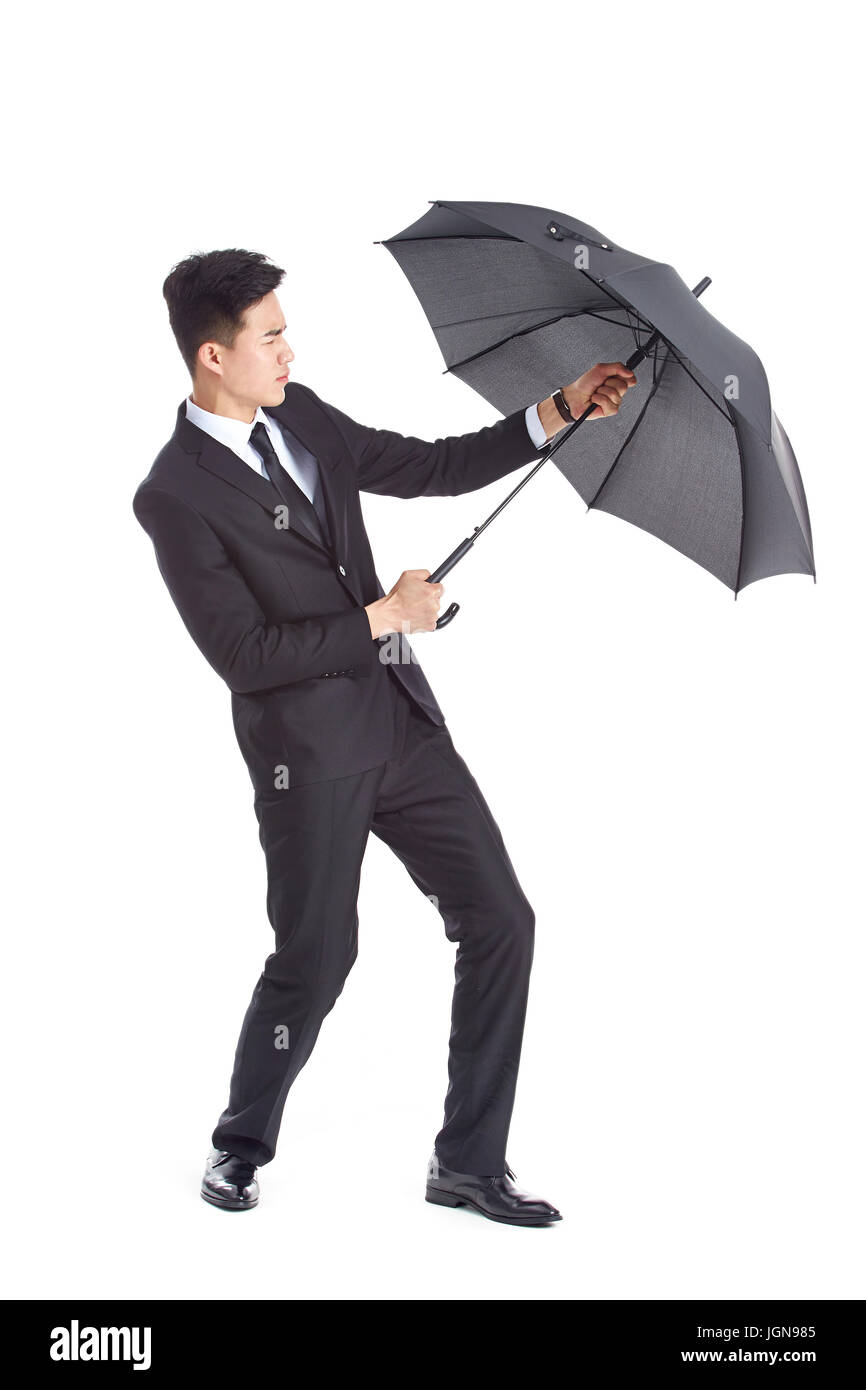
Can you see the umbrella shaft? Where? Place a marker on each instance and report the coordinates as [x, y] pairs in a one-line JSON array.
[[457, 555], [452, 559]]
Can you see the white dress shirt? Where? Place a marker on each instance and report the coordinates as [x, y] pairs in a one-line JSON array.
[[535, 427], [298, 463]]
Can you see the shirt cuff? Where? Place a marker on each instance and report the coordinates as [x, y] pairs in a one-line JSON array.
[[535, 427]]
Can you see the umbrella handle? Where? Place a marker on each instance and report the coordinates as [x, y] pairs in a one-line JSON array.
[[447, 615], [443, 569]]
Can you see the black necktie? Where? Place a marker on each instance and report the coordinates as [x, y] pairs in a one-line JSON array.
[[312, 513]]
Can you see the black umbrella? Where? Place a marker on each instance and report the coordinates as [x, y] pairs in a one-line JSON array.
[[522, 300]]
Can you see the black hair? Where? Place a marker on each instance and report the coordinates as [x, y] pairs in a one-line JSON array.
[[208, 292]]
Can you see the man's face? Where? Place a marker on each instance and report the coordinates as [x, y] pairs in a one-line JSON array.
[[255, 371]]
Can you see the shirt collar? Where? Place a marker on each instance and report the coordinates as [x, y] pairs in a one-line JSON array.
[[234, 433]]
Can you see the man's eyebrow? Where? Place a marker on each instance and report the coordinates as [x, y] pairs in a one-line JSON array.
[[273, 332]]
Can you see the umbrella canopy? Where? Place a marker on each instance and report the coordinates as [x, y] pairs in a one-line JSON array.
[[523, 300]]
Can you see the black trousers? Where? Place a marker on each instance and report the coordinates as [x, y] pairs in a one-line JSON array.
[[425, 804]]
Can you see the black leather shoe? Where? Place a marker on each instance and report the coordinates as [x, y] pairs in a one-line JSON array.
[[498, 1198], [229, 1181]]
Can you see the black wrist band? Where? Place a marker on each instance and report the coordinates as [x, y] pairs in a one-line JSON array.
[[562, 405]]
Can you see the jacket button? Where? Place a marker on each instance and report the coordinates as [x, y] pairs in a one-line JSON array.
[[342, 571]]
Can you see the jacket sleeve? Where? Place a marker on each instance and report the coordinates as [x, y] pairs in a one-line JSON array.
[[223, 616], [400, 465]]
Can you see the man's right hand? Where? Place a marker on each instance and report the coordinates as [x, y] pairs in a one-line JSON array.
[[411, 606]]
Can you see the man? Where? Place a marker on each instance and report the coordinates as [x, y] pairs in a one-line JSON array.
[[254, 511]]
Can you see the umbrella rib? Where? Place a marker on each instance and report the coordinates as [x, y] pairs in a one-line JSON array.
[[615, 300], [668, 344], [628, 438], [447, 236], [594, 314], [487, 318], [724, 414], [742, 505], [521, 333], [619, 303]]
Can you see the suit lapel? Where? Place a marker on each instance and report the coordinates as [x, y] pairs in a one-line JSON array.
[[224, 463], [300, 421]]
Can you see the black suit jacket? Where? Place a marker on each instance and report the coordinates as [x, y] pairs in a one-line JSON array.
[[279, 615]]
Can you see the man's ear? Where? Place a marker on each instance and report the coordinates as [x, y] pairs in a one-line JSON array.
[[208, 359]]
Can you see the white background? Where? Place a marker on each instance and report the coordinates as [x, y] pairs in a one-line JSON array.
[[678, 776]]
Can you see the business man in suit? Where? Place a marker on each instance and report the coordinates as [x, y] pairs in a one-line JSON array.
[[253, 507]]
